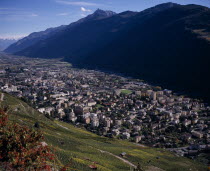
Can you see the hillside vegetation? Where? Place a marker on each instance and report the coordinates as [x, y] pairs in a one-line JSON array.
[[80, 148]]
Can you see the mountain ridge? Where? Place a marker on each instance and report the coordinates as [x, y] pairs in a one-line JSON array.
[[5, 42], [35, 37]]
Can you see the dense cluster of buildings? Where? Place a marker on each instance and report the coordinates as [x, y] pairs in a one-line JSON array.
[[110, 105]]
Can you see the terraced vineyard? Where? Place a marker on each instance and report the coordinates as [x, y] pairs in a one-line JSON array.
[[83, 148]]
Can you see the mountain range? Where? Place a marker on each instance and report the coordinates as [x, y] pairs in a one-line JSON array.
[[168, 44], [4, 43]]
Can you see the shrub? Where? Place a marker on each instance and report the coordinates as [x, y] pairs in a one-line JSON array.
[[37, 125], [22, 148]]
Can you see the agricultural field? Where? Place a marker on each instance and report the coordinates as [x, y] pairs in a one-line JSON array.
[[126, 92]]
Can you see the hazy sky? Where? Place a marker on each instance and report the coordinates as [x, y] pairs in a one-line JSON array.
[[21, 17]]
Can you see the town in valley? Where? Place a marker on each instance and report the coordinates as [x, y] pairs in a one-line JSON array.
[[109, 104]]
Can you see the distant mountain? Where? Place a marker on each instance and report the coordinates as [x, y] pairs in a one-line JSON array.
[[43, 35], [168, 44], [98, 14], [4, 43], [32, 39]]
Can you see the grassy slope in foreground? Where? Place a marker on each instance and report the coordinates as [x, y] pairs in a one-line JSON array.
[[84, 147]]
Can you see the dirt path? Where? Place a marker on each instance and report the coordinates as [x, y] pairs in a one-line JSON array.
[[153, 168], [141, 145], [120, 158], [62, 126], [2, 97], [23, 107]]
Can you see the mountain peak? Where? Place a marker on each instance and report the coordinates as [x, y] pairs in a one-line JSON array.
[[103, 13], [166, 5], [160, 7], [99, 10], [98, 14]]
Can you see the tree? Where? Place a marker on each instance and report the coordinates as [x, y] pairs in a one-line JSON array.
[[138, 168], [22, 148], [37, 125]]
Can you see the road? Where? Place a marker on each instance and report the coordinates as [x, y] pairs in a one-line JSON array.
[[120, 158]]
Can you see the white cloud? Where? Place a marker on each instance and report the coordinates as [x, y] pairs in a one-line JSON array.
[[76, 3], [34, 15], [10, 9], [62, 14], [4, 8], [15, 13], [85, 10]]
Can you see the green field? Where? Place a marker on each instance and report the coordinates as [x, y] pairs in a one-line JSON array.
[[126, 92], [84, 147]]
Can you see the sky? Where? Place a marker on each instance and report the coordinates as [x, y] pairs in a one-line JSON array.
[[19, 18]]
